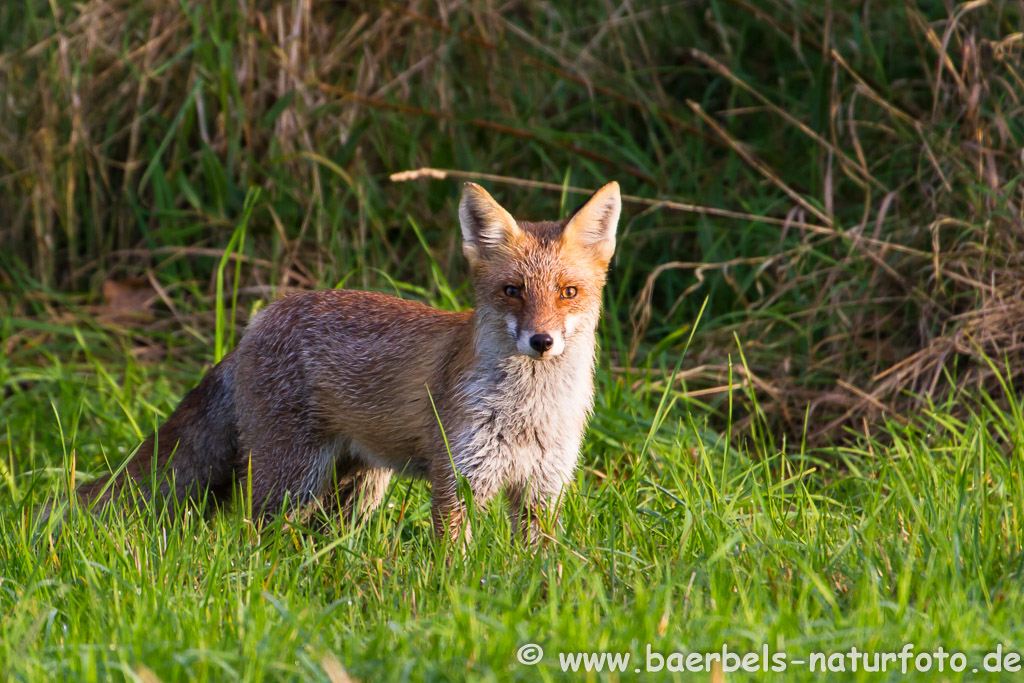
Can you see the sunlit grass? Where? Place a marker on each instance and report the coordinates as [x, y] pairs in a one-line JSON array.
[[911, 536]]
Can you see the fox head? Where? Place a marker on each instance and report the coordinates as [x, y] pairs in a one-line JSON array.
[[538, 285]]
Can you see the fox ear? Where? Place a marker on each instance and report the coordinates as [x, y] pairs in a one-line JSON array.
[[593, 225], [485, 224]]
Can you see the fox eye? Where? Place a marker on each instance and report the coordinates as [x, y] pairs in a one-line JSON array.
[[569, 293], [511, 291]]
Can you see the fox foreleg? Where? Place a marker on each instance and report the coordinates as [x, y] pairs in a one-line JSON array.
[[530, 512]]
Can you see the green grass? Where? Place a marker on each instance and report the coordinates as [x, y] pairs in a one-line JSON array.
[[689, 544], [847, 179]]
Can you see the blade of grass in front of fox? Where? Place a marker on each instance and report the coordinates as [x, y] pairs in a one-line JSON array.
[[462, 487]]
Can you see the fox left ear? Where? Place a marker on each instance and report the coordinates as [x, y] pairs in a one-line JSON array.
[[593, 225]]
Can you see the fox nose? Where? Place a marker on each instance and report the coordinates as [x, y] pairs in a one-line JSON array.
[[541, 342]]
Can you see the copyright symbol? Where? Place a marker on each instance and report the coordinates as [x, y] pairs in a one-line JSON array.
[[530, 654]]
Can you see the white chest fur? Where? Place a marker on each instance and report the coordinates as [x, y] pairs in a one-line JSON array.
[[525, 422]]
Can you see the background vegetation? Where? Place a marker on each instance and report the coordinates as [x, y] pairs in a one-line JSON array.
[[836, 186]]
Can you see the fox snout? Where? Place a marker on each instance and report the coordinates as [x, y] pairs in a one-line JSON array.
[[540, 344]]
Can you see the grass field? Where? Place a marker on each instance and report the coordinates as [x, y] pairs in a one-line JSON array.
[[807, 427], [677, 537]]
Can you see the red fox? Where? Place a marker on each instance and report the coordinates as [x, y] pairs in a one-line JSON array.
[[351, 387]]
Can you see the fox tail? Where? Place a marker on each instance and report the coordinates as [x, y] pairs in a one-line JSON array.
[[194, 450]]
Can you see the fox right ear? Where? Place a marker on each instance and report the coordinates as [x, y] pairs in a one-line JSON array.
[[485, 224]]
